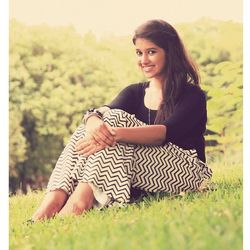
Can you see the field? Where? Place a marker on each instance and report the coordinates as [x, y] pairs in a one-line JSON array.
[[207, 220]]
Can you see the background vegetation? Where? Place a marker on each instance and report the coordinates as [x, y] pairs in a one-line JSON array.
[[56, 75]]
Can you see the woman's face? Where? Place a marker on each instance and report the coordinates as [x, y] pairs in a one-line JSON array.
[[151, 58]]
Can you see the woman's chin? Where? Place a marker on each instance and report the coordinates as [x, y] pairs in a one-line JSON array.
[[148, 74]]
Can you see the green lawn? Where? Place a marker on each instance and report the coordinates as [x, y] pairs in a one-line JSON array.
[[209, 220]]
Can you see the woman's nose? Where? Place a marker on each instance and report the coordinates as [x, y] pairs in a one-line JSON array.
[[144, 59]]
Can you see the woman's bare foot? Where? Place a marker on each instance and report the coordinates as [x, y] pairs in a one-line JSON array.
[[81, 200], [51, 204]]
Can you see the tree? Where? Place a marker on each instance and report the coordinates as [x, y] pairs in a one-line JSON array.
[[56, 75]]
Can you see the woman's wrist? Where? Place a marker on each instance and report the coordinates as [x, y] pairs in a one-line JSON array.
[[92, 122], [91, 113], [95, 112], [119, 133]]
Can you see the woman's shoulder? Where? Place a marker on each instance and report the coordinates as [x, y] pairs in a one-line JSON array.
[[137, 88], [139, 85], [134, 90], [194, 90], [192, 94]]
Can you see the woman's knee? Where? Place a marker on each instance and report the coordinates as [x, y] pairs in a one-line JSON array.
[[115, 117], [120, 118]]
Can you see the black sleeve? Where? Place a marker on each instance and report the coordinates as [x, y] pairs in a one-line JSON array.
[[189, 111], [127, 99]]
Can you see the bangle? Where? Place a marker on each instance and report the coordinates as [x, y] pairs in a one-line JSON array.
[[91, 112]]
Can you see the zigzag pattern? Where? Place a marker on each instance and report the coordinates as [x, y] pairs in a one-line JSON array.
[[110, 170], [63, 176], [114, 170], [169, 169], [119, 118]]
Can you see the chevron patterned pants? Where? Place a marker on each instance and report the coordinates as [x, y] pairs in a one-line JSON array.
[[112, 171]]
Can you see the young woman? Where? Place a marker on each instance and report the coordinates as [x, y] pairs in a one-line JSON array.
[[149, 138]]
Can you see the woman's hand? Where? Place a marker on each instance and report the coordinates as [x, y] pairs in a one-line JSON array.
[[102, 134], [88, 147], [98, 136]]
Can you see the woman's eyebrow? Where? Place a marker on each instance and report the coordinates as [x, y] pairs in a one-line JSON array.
[[149, 48], [152, 48]]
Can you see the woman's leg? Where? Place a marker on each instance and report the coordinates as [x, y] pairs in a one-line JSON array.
[[81, 200], [171, 169], [166, 168], [108, 171], [62, 180], [51, 204]]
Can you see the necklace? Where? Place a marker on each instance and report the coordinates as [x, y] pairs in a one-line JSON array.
[[149, 113], [149, 118]]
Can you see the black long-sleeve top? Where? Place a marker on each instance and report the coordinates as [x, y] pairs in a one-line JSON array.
[[185, 126]]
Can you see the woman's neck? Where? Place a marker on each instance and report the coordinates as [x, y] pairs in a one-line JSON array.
[[155, 84]]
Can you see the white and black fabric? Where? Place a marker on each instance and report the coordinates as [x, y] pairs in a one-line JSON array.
[[113, 171]]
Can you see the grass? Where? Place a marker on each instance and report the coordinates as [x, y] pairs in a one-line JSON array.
[[208, 220]]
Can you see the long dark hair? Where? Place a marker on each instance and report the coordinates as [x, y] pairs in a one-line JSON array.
[[179, 69]]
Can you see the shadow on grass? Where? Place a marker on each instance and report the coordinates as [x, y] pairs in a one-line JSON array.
[[146, 198]]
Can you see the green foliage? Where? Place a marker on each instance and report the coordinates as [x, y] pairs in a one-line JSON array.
[[225, 105], [211, 42], [17, 142], [56, 75]]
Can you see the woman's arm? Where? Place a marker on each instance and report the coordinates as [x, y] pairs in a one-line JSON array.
[[146, 135], [96, 128], [98, 136], [102, 135]]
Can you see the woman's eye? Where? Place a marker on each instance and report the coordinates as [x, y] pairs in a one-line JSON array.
[[138, 53], [151, 52]]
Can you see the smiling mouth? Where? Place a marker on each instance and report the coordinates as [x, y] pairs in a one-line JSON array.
[[147, 68]]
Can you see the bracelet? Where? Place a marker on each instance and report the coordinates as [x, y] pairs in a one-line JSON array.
[[91, 112]]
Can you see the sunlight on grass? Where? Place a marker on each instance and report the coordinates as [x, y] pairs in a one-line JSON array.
[[205, 220]]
